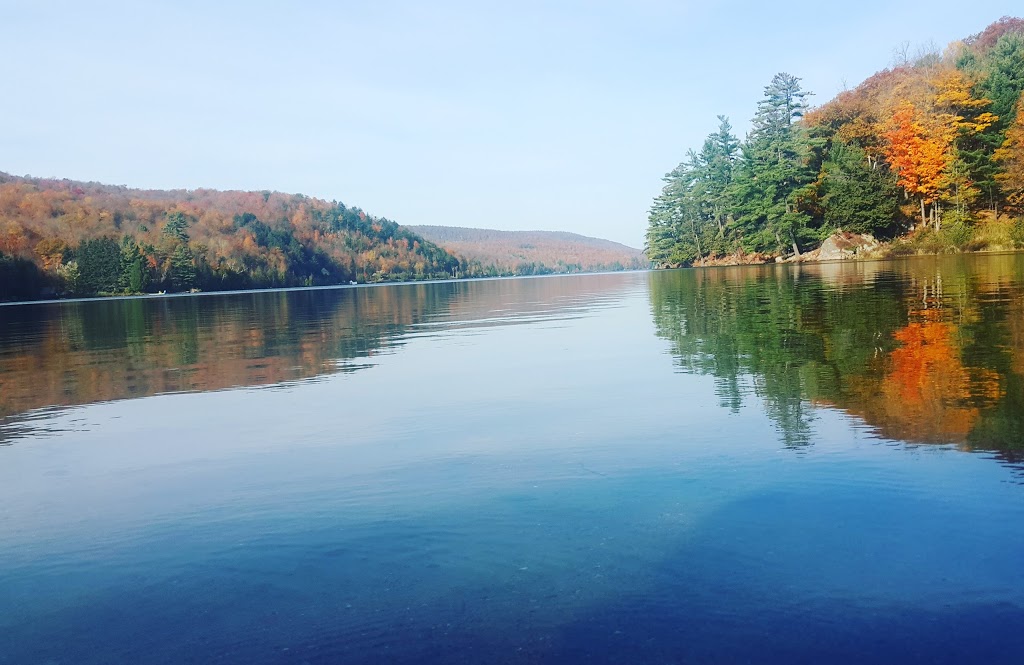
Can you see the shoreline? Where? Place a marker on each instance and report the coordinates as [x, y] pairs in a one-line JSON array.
[[843, 247], [284, 289], [854, 259]]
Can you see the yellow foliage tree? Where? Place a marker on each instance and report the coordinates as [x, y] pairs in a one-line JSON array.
[[1011, 157]]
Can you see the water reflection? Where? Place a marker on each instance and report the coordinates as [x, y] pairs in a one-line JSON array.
[[510, 471], [64, 354], [922, 350]]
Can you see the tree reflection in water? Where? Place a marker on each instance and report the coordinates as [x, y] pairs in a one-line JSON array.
[[922, 350]]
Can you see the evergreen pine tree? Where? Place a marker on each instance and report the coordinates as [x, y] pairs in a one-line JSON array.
[[775, 171]]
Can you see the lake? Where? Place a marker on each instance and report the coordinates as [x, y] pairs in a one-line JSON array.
[[819, 463]]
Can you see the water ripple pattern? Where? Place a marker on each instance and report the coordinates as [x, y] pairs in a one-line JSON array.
[[762, 464]]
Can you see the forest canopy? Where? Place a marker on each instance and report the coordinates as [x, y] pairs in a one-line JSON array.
[[931, 148], [60, 237]]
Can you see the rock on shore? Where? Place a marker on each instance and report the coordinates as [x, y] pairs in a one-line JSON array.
[[840, 246]]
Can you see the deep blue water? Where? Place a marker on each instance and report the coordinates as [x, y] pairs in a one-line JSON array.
[[630, 468]]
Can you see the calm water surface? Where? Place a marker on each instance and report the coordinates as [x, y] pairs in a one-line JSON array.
[[765, 464]]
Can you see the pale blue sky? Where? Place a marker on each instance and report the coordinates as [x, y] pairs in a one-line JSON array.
[[512, 115]]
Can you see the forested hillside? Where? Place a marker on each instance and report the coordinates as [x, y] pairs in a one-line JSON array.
[[930, 151], [533, 252], [60, 237]]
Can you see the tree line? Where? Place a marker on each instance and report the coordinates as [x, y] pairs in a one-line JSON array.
[[930, 149], [65, 238]]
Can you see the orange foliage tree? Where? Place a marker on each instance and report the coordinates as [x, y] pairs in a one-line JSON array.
[[917, 156]]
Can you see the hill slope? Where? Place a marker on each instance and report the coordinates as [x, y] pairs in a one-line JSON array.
[[533, 252], [61, 237]]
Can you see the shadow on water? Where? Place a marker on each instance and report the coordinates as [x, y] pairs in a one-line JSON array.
[[836, 574], [922, 350], [771, 577]]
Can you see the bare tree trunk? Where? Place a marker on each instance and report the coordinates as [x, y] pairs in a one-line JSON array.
[[696, 239]]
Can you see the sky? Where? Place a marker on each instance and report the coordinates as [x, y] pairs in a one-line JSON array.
[[510, 115]]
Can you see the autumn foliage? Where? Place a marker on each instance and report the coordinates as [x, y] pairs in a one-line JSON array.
[[917, 157], [935, 122], [925, 151], [66, 237], [1011, 157]]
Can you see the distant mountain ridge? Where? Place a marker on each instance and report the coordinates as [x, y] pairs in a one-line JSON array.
[[533, 252]]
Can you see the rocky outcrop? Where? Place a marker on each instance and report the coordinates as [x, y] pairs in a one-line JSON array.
[[842, 245], [737, 258]]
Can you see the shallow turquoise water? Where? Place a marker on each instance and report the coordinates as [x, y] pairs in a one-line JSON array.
[[764, 464]]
